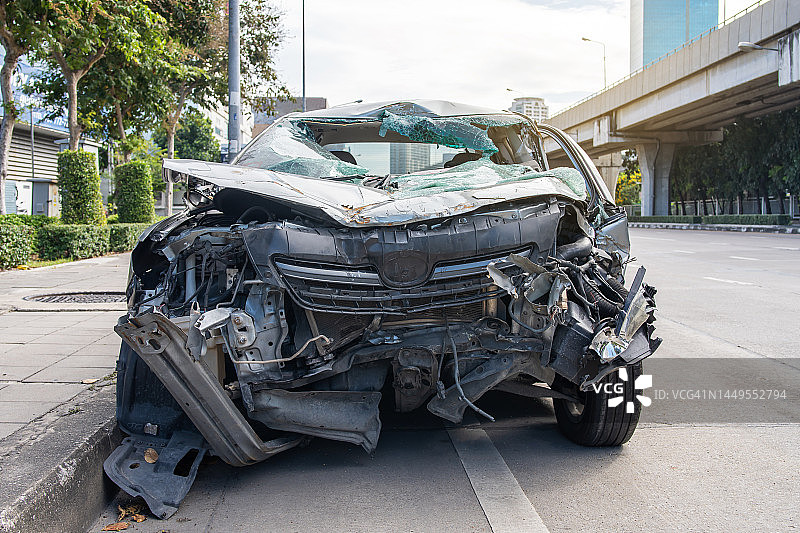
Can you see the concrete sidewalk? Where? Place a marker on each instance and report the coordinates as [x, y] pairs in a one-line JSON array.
[[57, 363]]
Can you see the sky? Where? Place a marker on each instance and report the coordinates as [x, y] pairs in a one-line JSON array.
[[462, 50]]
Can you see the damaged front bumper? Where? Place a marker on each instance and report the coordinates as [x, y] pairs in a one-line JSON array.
[[284, 345]]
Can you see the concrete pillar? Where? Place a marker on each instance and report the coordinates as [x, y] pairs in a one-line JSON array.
[[609, 166], [655, 160]]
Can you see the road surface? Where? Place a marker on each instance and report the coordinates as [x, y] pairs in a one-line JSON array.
[[721, 295]]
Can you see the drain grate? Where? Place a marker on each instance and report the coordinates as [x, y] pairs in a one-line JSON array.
[[78, 298]]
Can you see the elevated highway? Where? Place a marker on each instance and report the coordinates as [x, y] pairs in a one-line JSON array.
[[688, 95]]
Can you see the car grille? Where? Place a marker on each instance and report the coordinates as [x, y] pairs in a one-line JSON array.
[[360, 290]]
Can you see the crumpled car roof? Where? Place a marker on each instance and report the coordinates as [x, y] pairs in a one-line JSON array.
[[436, 108]]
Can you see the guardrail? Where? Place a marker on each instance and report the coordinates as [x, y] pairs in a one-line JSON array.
[[668, 54]]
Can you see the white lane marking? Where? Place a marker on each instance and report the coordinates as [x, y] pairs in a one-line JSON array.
[[683, 251], [743, 258], [786, 248], [728, 281], [652, 238], [503, 502]]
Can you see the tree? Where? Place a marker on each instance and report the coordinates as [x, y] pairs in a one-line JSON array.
[[261, 35], [194, 138], [18, 29], [629, 182], [80, 33], [200, 72], [114, 88], [747, 145]]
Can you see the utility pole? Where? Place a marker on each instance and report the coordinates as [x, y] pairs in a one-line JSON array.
[[303, 9], [234, 111]]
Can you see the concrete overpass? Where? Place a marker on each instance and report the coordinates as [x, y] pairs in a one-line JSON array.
[[688, 95]]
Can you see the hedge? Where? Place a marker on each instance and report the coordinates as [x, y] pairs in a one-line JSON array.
[[37, 221], [16, 242], [123, 237], [79, 187], [676, 219], [134, 192], [756, 220], [77, 241]]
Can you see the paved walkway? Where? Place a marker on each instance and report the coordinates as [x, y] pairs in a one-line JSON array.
[[50, 353]]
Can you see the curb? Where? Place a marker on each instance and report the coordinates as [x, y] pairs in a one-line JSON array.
[[717, 227], [52, 469]]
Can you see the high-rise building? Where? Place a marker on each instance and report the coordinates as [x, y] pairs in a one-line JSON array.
[[658, 26], [405, 158], [532, 107]]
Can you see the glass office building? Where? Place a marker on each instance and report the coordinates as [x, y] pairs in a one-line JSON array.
[[659, 26]]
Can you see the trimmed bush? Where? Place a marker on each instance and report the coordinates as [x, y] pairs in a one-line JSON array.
[[123, 237], [16, 242], [37, 221], [675, 219], [134, 192], [33, 221], [77, 241], [79, 187], [756, 220]]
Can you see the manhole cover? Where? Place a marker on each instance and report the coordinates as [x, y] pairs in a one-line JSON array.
[[78, 298]]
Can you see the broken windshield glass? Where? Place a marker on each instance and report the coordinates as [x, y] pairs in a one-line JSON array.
[[478, 174], [290, 147], [456, 132]]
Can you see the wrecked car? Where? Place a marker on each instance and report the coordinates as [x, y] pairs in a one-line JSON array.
[[310, 279]]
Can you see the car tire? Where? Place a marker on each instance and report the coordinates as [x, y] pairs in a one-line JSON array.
[[594, 423]]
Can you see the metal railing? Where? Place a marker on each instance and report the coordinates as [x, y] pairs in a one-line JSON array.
[[668, 54]]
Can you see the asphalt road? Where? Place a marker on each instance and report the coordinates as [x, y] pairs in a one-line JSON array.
[[722, 296]]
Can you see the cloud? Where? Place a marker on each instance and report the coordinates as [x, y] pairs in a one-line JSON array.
[[462, 50]]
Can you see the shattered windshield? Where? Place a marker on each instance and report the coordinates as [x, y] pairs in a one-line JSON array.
[[290, 147], [415, 154]]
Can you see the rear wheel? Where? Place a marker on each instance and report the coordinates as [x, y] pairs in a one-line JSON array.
[[594, 422]]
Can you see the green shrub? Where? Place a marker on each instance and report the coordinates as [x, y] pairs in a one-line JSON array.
[[756, 220], [37, 221], [112, 219], [77, 241], [674, 219], [134, 192], [79, 187], [16, 242], [123, 237]]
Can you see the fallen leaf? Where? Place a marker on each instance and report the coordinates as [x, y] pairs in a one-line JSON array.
[[131, 510], [116, 526], [150, 455], [90, 381], [138, 517]]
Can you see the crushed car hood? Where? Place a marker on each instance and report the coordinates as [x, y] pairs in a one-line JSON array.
[[352, 205]]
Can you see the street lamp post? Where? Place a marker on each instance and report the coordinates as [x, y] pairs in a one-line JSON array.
[[605, 77], [303, 9], [234, 115]]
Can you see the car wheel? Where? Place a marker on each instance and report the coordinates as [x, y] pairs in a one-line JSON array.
[[593, 422]]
